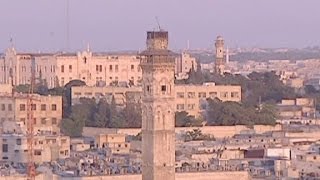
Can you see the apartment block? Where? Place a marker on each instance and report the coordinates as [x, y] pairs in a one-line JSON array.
[[47, 148], [57, 69], [47, 113], [192, 98], [116, 143], [189, 98]]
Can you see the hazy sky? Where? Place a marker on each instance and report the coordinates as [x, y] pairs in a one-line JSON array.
[[122, 24]]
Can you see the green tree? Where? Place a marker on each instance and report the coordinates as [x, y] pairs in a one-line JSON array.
[[183, 119]]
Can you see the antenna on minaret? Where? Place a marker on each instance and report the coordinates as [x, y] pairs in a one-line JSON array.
[[67, 25], [188, 45], [158, 24], [11, 42]]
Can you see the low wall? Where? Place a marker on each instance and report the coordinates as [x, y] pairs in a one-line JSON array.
[[217, 131], [223, 175]]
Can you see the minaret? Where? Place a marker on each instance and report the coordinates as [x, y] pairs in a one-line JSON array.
[[158, 135], [220, 60]]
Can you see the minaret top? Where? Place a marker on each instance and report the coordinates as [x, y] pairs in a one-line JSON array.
[[157, 40]]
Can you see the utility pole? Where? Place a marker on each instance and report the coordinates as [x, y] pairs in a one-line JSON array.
[[30, 125]]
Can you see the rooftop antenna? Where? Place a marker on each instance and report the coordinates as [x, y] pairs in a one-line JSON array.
[[158, 24], [68, 24]]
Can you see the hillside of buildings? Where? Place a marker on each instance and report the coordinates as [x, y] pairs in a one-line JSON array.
[[260, 92], [262, 54]]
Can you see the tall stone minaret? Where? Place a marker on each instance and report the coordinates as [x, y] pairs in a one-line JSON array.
[[158, 135], [220, 60]]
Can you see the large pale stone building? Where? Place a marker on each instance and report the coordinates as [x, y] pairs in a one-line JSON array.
[[59, 68], [158, 135]]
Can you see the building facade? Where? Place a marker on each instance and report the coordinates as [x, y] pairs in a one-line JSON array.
[[46, 148], [189, 98], [158, 135], [47, 113], [57, 69]]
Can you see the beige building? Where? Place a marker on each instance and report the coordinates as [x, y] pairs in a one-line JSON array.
[[192, 98], [59, 68], [46, 148], [47, 113], [184, 63], [189, 98], [115, 142], [297, 108]]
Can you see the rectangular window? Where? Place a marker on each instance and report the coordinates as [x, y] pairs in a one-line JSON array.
[[18, 141], [191, 106], [70, 68], [234, 94], [224, 94], [191, 94], [163, 88], [3, 107], [202, 95], [180, 107], [37, 152], [34, 121], [22, 107], [116, 68], [9, 107], [54, 121], [53, 107], [180, 95], [110, 68], [23, 120], [33, 107], [43, 107], [4, 147], [132, 67], [100, 68], [77, 93], [213, 94], [43, 121], [62, 68]]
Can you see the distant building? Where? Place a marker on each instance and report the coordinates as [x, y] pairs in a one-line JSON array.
[[184, 63], [47, 113], [189, 98], [116, 143], [220, 61], [47, 148]]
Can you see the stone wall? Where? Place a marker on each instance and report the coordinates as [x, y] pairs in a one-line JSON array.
[[223, 175], [217, 131]]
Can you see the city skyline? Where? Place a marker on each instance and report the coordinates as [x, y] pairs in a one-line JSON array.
[[247, 24]]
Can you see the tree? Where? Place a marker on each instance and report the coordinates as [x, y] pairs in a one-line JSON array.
[[182, 119], [233, 113]]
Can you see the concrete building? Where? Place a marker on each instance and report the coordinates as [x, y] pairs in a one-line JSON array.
[[297, 108], [184, 63], [192, 98], [47, 148], [57, 69], [116, 143], [47, 113], [158, 111], [189, 98]]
